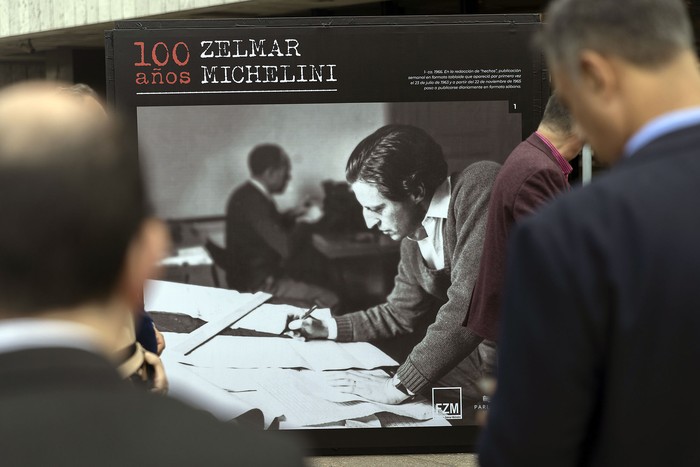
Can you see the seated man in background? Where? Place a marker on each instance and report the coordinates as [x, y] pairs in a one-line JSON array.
[[76, 246], [260, 239], [399, 176], [534, 173]]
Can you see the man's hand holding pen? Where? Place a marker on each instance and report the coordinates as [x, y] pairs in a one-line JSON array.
[[308, 326]]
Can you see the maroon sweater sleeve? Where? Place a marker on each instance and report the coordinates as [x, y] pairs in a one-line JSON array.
[[517, 195]]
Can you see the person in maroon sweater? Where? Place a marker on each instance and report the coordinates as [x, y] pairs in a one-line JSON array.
[[534, 173]]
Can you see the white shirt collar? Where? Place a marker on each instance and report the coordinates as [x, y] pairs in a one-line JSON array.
[[261, 187], [440, 203], [430, 236], [32, 333]]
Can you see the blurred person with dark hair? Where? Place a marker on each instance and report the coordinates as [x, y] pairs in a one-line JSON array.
[[400, 177], [533, 174], [76, 246], [601, 319], [137, 351], [260, 240]]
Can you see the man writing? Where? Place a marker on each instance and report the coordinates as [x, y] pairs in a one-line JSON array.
[[399, 176], [76, 246], [600, 320]]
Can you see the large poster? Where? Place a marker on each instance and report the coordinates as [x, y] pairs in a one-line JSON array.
[[205, 96]]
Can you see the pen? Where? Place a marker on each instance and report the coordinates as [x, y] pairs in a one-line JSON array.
[[308, 312], [302, 318]]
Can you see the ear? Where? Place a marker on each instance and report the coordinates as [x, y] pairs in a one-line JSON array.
[[418, 194], [144, 254], [598, 75], [271, 173]]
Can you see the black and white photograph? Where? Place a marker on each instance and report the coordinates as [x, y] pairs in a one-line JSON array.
[[326, 190], [259, 201]]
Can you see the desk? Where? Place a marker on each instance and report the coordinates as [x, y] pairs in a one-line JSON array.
[[190, 265], [288, 383], [190, 262], [362, 266], [193, 256], [256, 366]]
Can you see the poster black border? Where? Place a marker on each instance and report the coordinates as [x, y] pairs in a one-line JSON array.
[[359, 441]]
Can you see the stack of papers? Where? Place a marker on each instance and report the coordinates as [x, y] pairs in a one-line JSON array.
[[287, 379]]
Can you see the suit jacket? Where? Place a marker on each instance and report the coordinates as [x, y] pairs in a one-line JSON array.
[[529, 178], [68, 407], [258, 238], [601, 327]]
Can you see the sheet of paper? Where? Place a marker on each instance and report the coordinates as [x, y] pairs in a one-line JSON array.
[[246, 352], [193, 256], [207, 303], [231, 380], [303, 407], [210, 303], [331, 355], [273, 318], [302, 397], [305, 396], [197, 392], [240, 380], [273, 352]]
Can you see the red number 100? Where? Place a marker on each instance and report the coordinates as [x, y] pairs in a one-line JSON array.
[[160, 54]]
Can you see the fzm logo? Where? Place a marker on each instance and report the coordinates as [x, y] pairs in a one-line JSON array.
[[447, 402]]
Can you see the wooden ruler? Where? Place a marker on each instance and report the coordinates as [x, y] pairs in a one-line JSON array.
[[207, 331]]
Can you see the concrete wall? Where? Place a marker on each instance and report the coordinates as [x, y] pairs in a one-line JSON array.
[[22, 17]]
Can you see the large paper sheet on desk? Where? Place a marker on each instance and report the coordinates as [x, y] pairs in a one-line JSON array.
[[210, 303], [194, 390], [301, 398], [305, 397], [282, 352], [205, 303]]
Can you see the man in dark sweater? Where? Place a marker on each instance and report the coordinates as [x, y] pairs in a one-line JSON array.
[[399, 176], [76, 246], [534, 173], [260, 239]]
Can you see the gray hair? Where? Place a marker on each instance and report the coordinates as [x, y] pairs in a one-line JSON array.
[[647, 33], [79, 89], [557, 117]]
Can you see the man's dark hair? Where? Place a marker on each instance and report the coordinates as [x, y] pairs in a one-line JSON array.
[[72, 201], [647, 33], [265, 156], [398, 159], [557, 117]]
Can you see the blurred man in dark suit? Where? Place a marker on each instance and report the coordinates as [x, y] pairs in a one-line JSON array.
[[260, 240], [601, 322], [76, 246]]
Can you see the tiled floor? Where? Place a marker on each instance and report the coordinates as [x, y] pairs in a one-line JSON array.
[[407, 460]]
